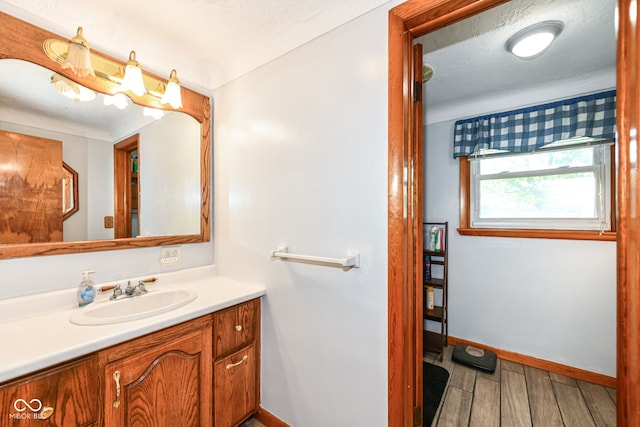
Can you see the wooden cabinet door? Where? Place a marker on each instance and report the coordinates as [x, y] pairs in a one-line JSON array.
[[235, 327], [166, 384], [63, 396], [236, 390]]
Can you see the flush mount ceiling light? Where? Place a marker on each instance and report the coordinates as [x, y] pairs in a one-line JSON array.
[[172, 94], [133, 76], [71, 89], [532, 41], [79, 56]]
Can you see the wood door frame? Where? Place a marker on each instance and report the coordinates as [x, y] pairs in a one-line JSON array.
[[122, 185], [418, 17]]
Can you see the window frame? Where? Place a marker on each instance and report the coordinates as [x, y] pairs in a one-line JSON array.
[[541, 233]]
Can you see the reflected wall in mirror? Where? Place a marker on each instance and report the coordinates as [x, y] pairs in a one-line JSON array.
[[171, 198]]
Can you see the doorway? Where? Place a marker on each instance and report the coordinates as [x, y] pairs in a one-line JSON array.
[[418, 17], [126, 163]]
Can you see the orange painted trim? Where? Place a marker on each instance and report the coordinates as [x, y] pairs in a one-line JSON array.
[[268, 419], [534, 362]]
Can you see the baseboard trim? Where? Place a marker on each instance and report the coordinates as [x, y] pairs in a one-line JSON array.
[[268, 419], [546, 365]]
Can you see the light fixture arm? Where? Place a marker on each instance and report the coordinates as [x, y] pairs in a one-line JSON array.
[[173, 77], [79, 39], [132, 59]]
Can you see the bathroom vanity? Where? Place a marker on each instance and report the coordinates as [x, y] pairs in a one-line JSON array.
[[201, 371]]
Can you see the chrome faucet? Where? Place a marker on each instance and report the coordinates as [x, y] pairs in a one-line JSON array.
[[134, 291]]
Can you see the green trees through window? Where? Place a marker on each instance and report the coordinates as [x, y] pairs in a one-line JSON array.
[[566, 188]]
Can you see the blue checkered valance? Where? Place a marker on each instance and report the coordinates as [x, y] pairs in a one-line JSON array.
[[530, 128]]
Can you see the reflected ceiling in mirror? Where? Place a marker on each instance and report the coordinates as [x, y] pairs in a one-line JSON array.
[[27, 94], [173, 156]]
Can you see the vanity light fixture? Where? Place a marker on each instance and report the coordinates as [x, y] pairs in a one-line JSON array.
[[119, 100], [79, 56], [132, 79], [172, 93], [113, 76], [532, 41], [71, 89]]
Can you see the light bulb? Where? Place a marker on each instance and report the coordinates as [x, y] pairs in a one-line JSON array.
[[132, 80], [173, 94], [79, 56]]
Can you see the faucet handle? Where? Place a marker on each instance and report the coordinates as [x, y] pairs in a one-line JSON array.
[[117, 291], [141, 287]]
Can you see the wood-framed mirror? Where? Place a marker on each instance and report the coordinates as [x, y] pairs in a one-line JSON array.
[[179, 215]]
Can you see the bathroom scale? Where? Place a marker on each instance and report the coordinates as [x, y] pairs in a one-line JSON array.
[[475, 357]]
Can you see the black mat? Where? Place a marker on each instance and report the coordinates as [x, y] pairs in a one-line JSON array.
[[434, 382]]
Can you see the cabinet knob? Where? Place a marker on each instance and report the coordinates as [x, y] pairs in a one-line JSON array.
[[238, 328], [46, 412]]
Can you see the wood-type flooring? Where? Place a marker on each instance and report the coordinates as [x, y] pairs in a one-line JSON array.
[[518, 395]]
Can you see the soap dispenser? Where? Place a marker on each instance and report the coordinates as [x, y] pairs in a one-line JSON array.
[[87, 290]]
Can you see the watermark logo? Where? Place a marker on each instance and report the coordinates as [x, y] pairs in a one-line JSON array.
[[21, 406]]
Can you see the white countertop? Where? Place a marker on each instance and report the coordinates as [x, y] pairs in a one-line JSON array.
[[35, 331]]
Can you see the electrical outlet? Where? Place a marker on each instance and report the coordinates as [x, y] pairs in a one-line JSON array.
[[170, 255]]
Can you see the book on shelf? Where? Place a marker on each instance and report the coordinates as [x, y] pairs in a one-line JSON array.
[[434, 238]]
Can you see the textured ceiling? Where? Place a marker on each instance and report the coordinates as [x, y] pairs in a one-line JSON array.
[[209, 42], [470, 61], [212, 42]]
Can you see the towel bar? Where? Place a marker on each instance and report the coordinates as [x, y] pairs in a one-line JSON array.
[[350, 261]]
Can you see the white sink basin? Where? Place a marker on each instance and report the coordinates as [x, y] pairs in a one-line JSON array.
[[132, 308]]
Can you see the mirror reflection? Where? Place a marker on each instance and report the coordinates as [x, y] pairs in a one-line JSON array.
[[138, 175]]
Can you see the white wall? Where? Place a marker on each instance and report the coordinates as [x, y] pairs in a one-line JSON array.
[[99, 201], [300, 157], [170, 176], [551, 299]]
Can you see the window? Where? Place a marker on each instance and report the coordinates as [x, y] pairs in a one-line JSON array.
[[539, 171], [565, 189]]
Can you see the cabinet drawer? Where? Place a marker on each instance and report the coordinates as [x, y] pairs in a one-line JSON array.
[[64, 396], [235, 327], [236, 389]]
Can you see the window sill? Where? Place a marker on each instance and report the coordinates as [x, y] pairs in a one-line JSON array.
[[607, 236]]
